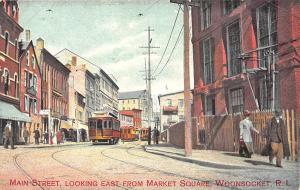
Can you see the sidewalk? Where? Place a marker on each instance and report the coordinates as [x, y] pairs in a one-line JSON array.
[[41, 145], [216, 159]]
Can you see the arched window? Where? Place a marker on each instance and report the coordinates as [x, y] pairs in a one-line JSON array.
[[6, 81], [6, 43]]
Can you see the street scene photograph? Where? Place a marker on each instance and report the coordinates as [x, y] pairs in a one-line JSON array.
[[149, 94]]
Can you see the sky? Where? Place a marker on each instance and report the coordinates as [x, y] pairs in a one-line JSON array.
[[109, 33]]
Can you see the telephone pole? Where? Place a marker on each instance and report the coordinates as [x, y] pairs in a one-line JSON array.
[[148, 75], [186, 70]]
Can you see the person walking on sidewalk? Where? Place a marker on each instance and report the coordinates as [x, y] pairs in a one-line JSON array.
[[37, 136], [26, 135], [277, 137], [8, 135], [246, 126], [155, 135]]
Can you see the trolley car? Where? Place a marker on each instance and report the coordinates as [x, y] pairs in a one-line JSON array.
[[129, 133], [104, 127]]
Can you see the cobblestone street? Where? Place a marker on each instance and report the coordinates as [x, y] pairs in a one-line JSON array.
[[134, 165]]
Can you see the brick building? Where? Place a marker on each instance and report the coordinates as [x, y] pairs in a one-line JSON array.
[[55, 90], [236, 45], [9, 68], [30, 86], [136, 114]]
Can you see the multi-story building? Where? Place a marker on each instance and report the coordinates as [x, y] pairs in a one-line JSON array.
[[9, 68], [246, 55], [30, 85], [135, 100], [100, 89], [136, 115], [171, 108], [55, 89], [126, 119]]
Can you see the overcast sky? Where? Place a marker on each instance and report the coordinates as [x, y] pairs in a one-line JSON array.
[[109, 34]]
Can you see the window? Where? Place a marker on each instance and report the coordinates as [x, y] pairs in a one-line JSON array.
[[264, 101], [30, 80], [35, 106], [181, 118], [33, 61], [210, 106], [169, 102], [26, 79], [26, 103], [16, 49], [6, 43], [237, 100], [230, 5], [180, 103], [35, 83], [234, 49], [266, 31], [6, 81], [16, 85], [205, 14], [27, 58], [208, 53]]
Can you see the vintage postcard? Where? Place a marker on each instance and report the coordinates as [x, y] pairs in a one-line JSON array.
[[149, 94]]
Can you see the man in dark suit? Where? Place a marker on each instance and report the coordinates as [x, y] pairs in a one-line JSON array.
[[277, 137]]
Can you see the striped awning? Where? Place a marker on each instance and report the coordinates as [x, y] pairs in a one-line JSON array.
[[10, 112]]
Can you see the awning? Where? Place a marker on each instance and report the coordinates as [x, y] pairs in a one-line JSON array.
[[10, 112]]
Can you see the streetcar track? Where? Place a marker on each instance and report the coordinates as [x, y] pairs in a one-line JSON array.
[[19, 167], [82, 171], [158, 170]]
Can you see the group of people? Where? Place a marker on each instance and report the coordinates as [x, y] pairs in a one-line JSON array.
[[276, 135]]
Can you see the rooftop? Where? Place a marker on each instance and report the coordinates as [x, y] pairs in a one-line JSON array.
[[131, 94]]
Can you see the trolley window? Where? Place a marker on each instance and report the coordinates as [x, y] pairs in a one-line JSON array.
[[109, 124], [92, 124], [104, 124], [99, 124]]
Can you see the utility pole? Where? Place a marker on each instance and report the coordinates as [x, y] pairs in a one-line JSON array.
[[186, 68], [148, 75]]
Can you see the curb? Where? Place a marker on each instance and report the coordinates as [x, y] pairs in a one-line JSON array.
[[198, 162]]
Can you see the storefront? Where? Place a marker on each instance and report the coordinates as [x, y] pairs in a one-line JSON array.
[[9, 112]]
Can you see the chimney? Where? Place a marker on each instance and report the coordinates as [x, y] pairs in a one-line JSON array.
[[28, 36], [74, 60], [40, 44]]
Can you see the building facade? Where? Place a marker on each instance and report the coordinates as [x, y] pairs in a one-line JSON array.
[[171, 108], [136, 114], [246, 56], [55, 90], [9, 69], [126, 119], [30, 86], [135, 100], [101, 90]]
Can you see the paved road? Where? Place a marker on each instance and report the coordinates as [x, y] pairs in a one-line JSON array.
[[127, 166]]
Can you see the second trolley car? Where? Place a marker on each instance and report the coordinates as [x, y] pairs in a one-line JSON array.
[[104, 127]]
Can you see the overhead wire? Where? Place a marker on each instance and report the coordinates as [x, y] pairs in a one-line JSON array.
[[170, 36]]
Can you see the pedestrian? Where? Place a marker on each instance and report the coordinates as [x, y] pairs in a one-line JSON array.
[[156, 135], [149, 135], [25, 134], [58, 137], [246, 143], [8, 135], [46, 137], [63, 136], [277, 137], [37, 136]]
